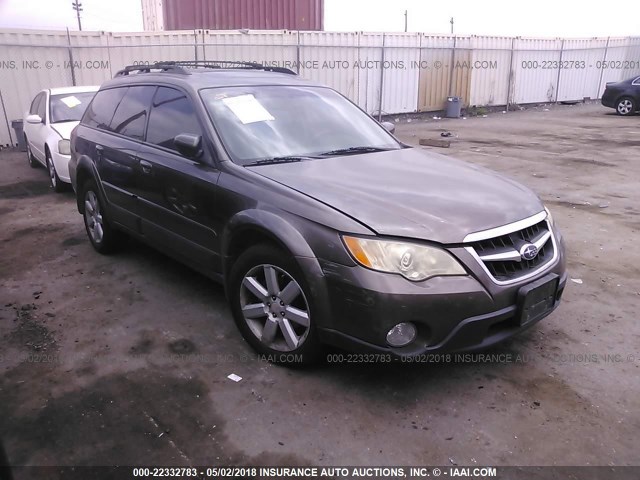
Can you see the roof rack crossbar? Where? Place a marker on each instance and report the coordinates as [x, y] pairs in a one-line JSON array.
[[164, 66], [182, 67]]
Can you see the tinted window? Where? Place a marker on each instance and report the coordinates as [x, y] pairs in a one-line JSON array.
[[131, 115], [171, 115], [36, 102], [100, 112], [69, 107]]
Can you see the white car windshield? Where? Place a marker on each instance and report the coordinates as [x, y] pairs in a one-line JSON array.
[[278, 122], [69, 107]]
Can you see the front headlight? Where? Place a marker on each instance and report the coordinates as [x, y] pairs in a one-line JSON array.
[[64, 147], [549, 217], [412, 261]]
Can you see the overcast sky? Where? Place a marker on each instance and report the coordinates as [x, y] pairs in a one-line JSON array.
[[110, 15], [539, 18], [546, 18]]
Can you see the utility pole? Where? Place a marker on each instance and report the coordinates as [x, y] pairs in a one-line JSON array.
[[451, 22], [77, 6], [406, 12]]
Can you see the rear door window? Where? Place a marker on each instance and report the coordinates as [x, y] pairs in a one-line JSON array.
[[130, 117], [102, 108], [171, 115]]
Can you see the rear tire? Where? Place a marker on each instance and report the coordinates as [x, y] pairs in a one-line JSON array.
[[272, 306], [33, 163], [626, 106], [103, 237]]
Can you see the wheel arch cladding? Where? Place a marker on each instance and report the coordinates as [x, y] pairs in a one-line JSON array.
[[268, 227], [84, 171]]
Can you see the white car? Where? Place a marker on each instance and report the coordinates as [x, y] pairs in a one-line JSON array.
[[47, 126]]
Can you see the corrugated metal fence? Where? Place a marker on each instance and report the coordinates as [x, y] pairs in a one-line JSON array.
[[383, 73]]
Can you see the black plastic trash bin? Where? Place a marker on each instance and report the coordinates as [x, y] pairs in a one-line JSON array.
[[18, 128], [454, 106]]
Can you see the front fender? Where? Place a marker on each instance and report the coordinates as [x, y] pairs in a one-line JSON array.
[[289, 237], [272, 225]]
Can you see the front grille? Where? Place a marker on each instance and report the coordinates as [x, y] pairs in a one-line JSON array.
[[509, 245]]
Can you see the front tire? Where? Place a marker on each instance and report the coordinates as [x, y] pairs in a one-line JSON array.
[[103, 237], [272, 307], [626, 106], [58, 185]]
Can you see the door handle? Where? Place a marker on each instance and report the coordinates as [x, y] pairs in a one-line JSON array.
[[146, 166], [99, 150]]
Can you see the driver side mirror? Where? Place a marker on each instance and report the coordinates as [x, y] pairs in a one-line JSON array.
[[188, 145], [34, 119], [389, 127]]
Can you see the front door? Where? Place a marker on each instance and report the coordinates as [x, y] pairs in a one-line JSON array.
[[38, 132], [177, 194]]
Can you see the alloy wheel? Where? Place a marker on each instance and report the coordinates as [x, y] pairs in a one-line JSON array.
[[52, 172], [275, 308], [625, 106], [93, 216]]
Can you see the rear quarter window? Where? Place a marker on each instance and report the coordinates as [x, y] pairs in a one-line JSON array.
[[100, 112]]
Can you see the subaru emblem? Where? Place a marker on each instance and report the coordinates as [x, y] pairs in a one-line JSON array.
[[528, 251]]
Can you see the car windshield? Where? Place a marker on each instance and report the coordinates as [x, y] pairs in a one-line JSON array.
[[69, 107], [291, 123]]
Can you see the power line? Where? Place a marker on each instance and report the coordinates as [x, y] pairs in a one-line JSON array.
[[77, 6]]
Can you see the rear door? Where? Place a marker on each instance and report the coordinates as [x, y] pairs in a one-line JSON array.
[[119, 116], [176, 193]]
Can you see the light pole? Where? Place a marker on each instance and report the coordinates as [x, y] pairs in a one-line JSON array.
[[406, 12], [451, 22], [77, 6]]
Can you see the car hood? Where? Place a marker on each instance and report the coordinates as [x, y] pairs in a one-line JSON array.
[[64, 128], [410, 193]]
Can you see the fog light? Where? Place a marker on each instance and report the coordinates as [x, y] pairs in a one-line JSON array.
[[402, 334]]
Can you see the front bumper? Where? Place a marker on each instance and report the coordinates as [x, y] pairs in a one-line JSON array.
[[61, 162], [452, 314]]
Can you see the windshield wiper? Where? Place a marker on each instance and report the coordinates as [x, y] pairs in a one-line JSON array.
[[346, 151], [274, 160]]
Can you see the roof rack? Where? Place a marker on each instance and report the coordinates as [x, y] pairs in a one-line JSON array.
[[184, 67]]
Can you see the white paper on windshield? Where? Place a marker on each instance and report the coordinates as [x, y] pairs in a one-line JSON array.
[[71, 101], [247, 109]]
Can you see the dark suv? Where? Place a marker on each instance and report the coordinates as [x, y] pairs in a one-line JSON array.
[[322, 227]]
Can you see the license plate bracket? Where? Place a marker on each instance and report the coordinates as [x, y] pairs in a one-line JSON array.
[[536, 299]]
